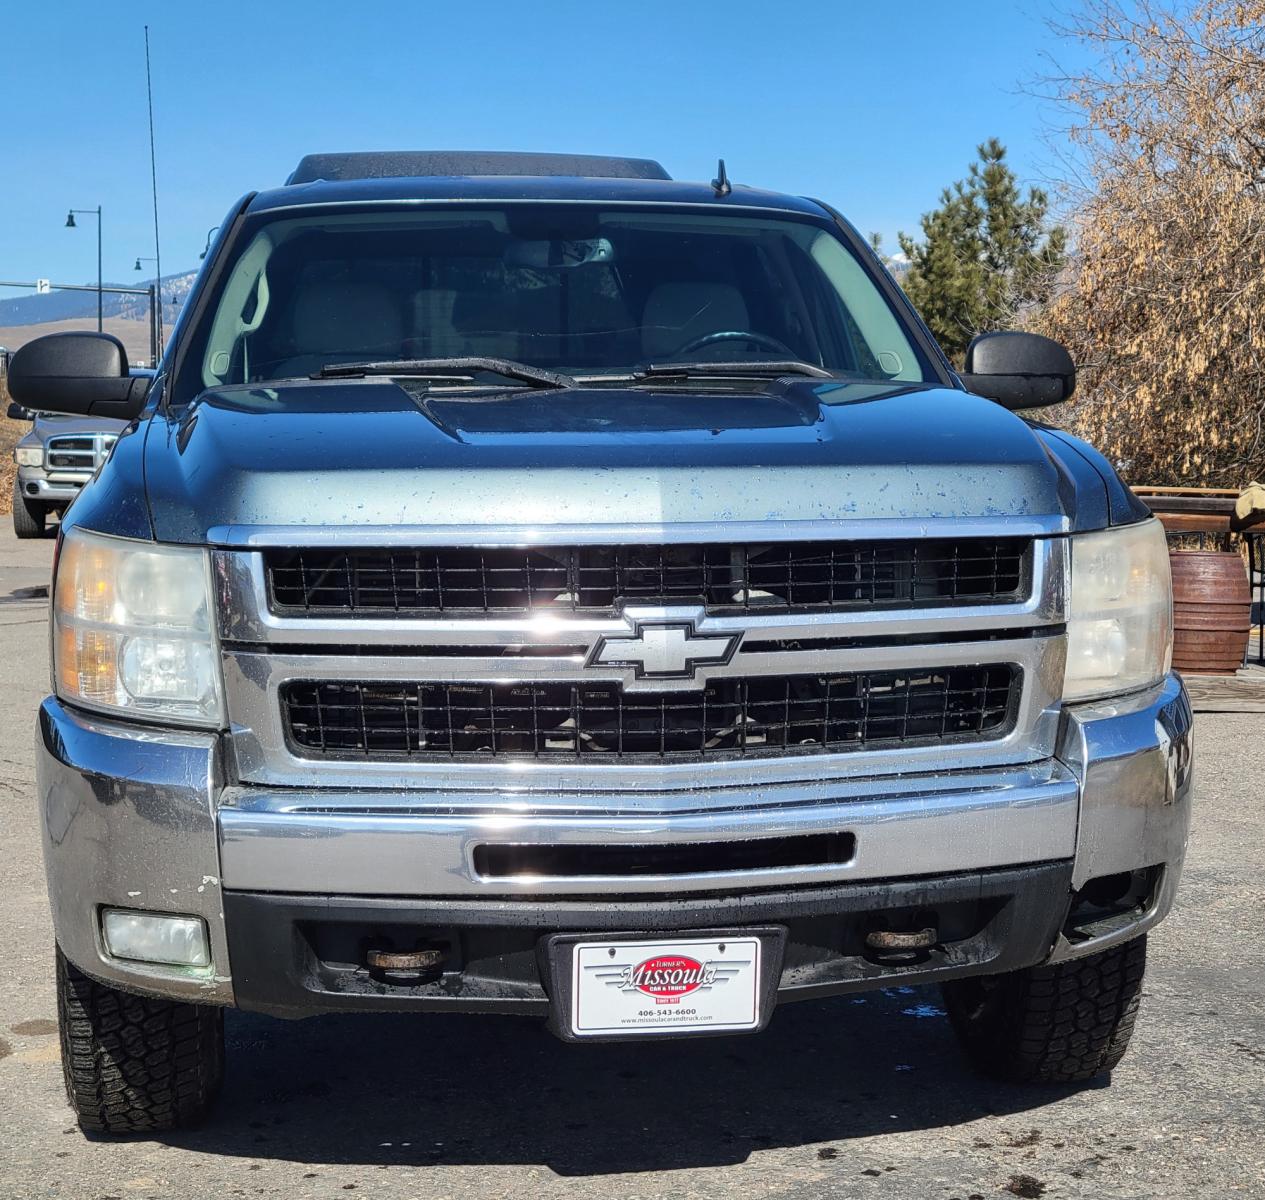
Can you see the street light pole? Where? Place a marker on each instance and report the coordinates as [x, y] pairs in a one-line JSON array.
[[155, 298], [70, 224], [153, 324]]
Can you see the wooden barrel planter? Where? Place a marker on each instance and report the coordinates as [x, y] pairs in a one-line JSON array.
[[1212, 611]]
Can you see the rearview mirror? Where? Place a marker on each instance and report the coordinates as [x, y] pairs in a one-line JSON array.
[[18, 413], [559, 252], [1019, 370], [81, 374]]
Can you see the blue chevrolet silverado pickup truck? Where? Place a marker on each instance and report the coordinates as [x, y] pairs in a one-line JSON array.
[[535, 585]]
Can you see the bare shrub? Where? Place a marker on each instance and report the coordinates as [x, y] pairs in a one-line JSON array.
[[1163, 300]]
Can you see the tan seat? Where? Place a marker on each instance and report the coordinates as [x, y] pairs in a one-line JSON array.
[[434, 332], [677, 313], [341, 322]]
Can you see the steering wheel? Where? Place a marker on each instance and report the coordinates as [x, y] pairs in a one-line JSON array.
[[762, 340]]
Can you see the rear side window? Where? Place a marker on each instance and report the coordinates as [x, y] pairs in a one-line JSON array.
[[571, 288]]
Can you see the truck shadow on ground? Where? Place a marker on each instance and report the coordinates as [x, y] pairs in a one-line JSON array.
[[418, 1090]]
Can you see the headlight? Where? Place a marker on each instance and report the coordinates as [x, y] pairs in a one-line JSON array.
[[29, 456], [1120, 613], [132, 629]]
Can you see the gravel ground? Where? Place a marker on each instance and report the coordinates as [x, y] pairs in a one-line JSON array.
[[863, 1096]]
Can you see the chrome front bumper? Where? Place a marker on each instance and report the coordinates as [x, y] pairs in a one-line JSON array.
[[374, 844], [144, 818], [59, 487]]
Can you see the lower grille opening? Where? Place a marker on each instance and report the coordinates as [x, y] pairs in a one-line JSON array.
[[760, 715], [517, 860]]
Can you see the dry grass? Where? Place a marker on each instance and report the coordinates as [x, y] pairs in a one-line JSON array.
[[10, 431], [133, 334]]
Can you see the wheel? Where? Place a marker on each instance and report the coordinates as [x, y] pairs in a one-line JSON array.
[[28, 516], [1063, 1023], [134, 1064]]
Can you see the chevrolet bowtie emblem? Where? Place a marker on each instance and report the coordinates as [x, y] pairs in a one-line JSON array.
[[664, 650]]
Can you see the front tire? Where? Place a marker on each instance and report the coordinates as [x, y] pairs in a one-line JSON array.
[[1064, 1023], [28, 516], [134, 1064]]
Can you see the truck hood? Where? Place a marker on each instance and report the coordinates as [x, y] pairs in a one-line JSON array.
[[47, 425], [244, 464]]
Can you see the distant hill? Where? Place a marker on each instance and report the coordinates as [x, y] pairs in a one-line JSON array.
[[37, 309]]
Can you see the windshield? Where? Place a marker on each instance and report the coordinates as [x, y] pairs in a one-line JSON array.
[[568, 288]]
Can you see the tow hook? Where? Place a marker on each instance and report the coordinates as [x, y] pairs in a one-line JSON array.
[[888, 946], [406, 966]]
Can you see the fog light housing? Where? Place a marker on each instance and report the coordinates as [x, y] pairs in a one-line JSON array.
[[1112, 902], [155, 938]]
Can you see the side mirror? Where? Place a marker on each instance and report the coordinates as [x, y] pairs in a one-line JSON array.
[[18, 413], [81, 374], [1019, 370]]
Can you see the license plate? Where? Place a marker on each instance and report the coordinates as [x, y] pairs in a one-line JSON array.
[[675, 986]]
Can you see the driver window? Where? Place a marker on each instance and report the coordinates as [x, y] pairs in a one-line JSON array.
[[240, 312], [870, 313]]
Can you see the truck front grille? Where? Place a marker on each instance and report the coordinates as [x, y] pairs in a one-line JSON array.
[[729, 717], [792, 576], [82, 452]]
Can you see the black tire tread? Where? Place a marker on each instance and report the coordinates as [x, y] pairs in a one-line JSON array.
[[1064, 1023], [136, 1064], [28, 518]]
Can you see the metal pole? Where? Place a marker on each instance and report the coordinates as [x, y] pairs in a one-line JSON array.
[[100, 293], [153, 178], [153, 326]]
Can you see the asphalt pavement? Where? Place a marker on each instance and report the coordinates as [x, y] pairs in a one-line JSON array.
[[861, 1096]]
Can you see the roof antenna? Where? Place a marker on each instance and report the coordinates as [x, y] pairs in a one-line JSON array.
[[153, 177], [721, 185]]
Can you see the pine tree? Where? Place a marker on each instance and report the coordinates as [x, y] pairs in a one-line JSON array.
[[986, 254]]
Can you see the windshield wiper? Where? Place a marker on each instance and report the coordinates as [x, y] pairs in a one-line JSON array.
[[450, 368], [735, 370]]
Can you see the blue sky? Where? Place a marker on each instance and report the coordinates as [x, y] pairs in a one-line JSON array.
[[873, 107]]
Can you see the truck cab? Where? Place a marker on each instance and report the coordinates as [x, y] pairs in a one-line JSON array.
[[535, 585]]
